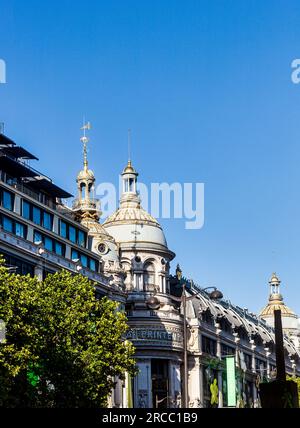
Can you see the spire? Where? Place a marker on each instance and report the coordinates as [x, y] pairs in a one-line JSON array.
[[84, 139], [86, 206], [129, 196], [129, 145]]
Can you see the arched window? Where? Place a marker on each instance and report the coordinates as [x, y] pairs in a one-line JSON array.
[[128, 278], [149, 276], [83, 190]]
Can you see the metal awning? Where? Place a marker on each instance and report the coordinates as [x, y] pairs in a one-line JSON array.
[[5, 141], [14, 168], [17, 152], [229, 314], [50, 188]]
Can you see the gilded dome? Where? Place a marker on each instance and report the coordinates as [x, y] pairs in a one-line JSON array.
[[268, 311], [131, 215], [276, 301], [86, 174], [129, 169]]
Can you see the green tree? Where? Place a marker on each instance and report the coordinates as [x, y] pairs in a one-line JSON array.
[[297, 380], [63, 346]]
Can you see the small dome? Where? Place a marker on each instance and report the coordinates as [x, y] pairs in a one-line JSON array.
[[274, 280], [129, 169], [86, 174]]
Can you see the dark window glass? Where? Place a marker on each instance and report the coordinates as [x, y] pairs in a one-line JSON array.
[[58, 248], [7, 224], [248, 361], [209, 346], [63, 229], [81, 238], [84, 260], [47, 220], [72, 234], [74, 255], [36, 215], [227, 350], [20, 230], [48, 242], [8, 200], [92, 264], [26, 210], [37, 237], [22, 267]]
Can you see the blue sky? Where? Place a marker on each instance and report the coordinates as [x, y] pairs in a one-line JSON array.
[[205, 87]]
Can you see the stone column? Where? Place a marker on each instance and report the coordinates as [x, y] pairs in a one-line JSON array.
[[253, 368], [194, 385], [220, 380], [268, 353], [237, 341], [174, 384], [38, 272], [118, 393], [143, 384]]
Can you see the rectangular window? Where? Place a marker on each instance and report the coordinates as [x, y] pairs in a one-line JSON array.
[[37, 237], [7, 224], [81, 238], [48, 243], [72, 234], [63, 229], [36, 215], [84, 260], [20, 230], [59, 249], [47, 220], [93, 265], [209, 346], [74, 255], [26, 210], [248, 361], [8, 200]]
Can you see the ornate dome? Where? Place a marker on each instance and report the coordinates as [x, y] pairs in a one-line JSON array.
[[129, 169], [86, 174], [131, 214], [135, 226], [131, 225], [268, 311], [276, 301]]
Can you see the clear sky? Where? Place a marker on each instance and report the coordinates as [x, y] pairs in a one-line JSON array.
[[205, 87]]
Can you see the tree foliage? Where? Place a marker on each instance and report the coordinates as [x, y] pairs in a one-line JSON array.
[[63, 347], [297, 380]]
